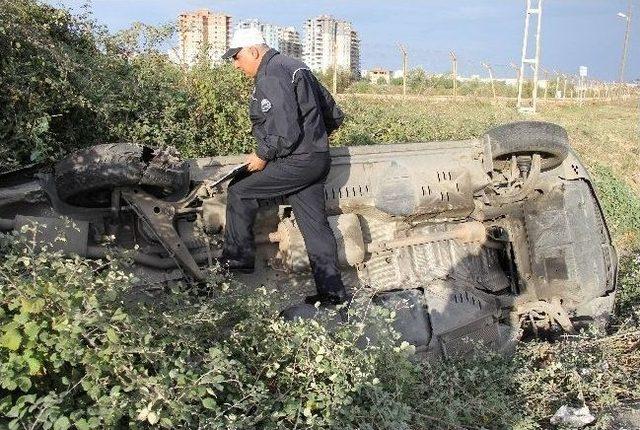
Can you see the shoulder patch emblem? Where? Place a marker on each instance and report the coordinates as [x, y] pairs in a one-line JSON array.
[[265, 105]]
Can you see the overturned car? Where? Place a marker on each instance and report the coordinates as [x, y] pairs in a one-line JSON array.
[[484, 238]]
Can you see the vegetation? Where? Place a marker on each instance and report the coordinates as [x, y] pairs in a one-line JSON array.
[[81, 347], [67, 84], [371, 121], [344, 79], [421, 83]]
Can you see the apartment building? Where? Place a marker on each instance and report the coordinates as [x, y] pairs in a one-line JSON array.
[[378, 75], [203, 33], [326, 37], [290, 43], [284, 39]]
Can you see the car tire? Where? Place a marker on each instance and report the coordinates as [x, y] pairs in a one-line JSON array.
[[530, 137], [87, 177]]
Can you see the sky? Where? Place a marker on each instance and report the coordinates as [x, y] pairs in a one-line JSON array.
[[574, 32]]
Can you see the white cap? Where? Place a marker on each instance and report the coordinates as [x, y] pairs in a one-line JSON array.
[[242, 38]]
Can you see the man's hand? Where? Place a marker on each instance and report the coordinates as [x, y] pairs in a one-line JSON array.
[[255, 163]]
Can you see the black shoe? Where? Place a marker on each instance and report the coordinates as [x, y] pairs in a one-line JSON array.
[[330, 298], [240, 266]]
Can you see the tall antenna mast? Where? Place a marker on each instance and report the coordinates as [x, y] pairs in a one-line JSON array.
[[534, 9]]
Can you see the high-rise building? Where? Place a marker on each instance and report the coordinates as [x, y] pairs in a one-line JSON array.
[[284, 39], [325, 37], [201, 32], [290, 42]]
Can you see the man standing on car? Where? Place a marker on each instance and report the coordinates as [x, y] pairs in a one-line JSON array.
[[292, 115]]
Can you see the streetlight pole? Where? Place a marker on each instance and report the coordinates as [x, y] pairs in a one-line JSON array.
[[625, 47]]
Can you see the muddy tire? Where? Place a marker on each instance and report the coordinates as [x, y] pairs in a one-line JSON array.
[[527, 138], [87, 177]]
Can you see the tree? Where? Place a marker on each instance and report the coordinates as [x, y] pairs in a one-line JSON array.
[[68, 84], [345, 78]]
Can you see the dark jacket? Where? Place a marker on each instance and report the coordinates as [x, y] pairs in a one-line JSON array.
[[291, 112]]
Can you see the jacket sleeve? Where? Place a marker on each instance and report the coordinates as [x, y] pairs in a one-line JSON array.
[[331, 113], [281, 130]]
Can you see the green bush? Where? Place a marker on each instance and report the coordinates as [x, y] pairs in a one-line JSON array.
[[592, 369], [628, 293], [72, 353], [345, 78], [219, 119], [477, 392], [394, 121], [79, 346], [67, 84], [51, 72]]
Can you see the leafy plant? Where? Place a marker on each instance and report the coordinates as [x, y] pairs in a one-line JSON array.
[[81, 346], [628, 293], [68, 84]]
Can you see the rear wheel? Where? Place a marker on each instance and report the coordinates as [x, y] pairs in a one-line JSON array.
[[87, 177], [528, 138]]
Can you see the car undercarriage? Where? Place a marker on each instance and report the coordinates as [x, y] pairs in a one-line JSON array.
[[481, 239]]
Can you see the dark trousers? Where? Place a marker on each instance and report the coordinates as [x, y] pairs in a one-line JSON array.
[[301, 178]]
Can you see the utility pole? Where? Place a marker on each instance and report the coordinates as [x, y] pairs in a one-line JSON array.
[[517, 70], [564, 88], [557, 83], [625, 47], [532, 10], [335, 58], [493, 86], [454, 72], [573, 90], [546, 85], [403, 49]]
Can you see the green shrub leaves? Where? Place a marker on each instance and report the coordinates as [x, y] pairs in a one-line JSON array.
[[68, 84], [81, 346]]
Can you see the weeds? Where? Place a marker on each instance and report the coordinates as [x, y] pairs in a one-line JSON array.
[[621, 205], [74, 351]]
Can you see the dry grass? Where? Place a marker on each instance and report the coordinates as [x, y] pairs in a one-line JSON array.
[[603, 134]]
